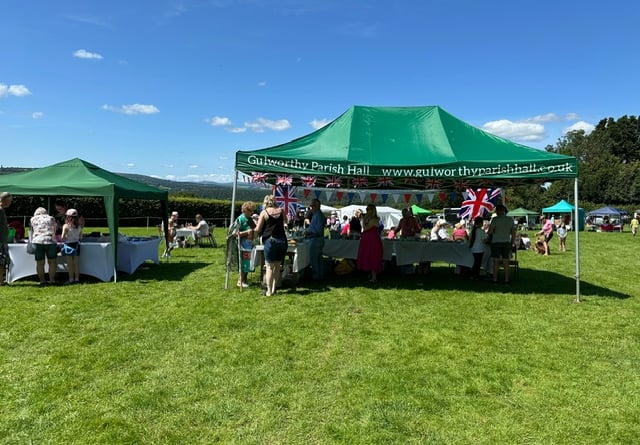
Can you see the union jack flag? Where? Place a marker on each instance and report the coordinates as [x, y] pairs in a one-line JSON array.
[[334, 181], [479, 202], [410, 181], [286, 198], [259, 178], [284, 180], [461, 185], [308, 181], [360, 182], [433, 184], [385, 181]]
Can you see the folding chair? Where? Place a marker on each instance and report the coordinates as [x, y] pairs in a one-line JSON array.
[[208, 240]]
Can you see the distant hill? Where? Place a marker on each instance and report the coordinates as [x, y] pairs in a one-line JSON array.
[[207, 190]]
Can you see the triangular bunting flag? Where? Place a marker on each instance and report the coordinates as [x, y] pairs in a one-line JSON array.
[[430, 196], [373, 196], [384, 197], [339, 195], [395, 197], [306, 192], [317, 192], [407, 197], [418, 197], [350, 196], [361, 195]]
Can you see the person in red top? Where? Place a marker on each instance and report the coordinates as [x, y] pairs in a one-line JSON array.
[[408, 225]]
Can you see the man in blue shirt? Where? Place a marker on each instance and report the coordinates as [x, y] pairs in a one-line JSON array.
[[315, 235]]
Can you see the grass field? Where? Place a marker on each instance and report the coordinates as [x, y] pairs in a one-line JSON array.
[[167, 356]]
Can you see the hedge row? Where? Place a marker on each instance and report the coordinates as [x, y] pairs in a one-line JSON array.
[[133, 212]]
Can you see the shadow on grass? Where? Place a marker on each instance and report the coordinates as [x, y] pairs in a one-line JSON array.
[[443, 278]]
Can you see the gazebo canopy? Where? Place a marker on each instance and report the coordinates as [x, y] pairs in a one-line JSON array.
[[76, 177]]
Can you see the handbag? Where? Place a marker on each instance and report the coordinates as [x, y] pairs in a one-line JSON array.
[[31, 248]]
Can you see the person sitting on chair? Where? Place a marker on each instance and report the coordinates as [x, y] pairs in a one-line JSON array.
[[201, 228]]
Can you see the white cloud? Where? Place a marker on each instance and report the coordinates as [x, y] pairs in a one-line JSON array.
[[553, 117], [193, 166], [237, 130], [37, 114], [581, 125], [218, 121], [84, 54], [319, 123], [261, 124], [132, 109], [13, 90], [549, 117], [517, 131], [262, 83]]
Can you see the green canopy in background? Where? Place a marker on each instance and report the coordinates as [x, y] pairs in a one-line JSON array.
[[417, 210], [80, 178], [520, 211]]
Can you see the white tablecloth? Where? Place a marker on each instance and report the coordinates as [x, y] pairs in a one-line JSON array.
[[186, 233], [406, 252], [135, 251], [96, 258], [301, 256]]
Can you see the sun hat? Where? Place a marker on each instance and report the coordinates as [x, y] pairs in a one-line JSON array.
[[174, 213], [72, 212]]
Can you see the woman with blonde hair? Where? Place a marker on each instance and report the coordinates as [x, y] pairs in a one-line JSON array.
[[271, 227]]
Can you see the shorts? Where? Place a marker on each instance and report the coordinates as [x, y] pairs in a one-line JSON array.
[[50, 251], [275, 249], [501, 250], [548, 237]]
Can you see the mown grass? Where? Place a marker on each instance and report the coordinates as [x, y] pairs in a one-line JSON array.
[[168, 356]]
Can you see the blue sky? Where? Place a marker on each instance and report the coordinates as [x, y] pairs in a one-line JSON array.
[[174, 88]]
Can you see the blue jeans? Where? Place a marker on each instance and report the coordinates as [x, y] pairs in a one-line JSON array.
[[315, 253]]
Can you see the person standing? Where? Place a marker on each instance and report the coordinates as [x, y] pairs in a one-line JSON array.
[[562, 237], [634, 225], [271, 227], [315, 234], [43, 236], [547, 231], [408, 226], [370, 249], [477, 242], [5, 202], [355, 225], [71, 235], [502, 233], [245, 233]]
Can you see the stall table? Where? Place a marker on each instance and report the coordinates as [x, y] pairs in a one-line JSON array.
[[96, 258]]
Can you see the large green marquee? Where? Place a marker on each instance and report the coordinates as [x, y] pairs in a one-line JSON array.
[[410, 147]]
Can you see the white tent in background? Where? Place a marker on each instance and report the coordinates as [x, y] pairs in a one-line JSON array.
[[327, 209], [389, 216]]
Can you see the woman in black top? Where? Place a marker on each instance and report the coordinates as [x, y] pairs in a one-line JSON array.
[[271, 227]]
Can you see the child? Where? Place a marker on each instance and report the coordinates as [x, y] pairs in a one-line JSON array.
[[477, 243], [71, 234], [562, 237]]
